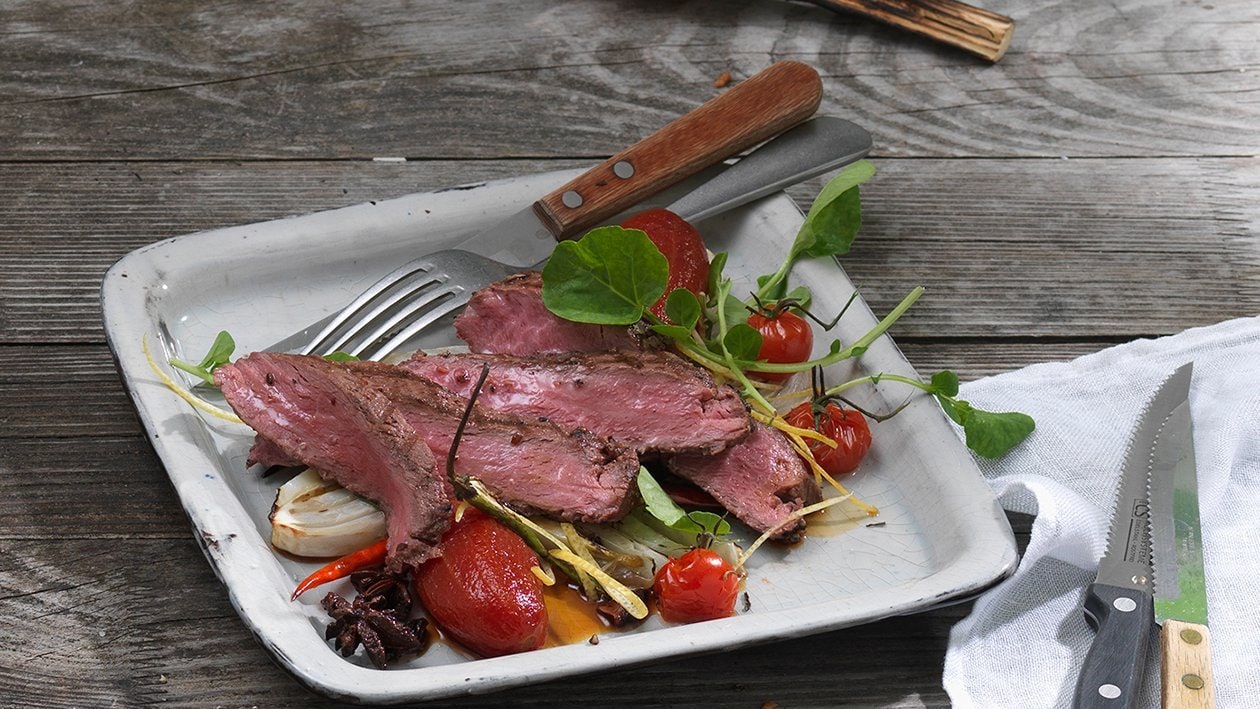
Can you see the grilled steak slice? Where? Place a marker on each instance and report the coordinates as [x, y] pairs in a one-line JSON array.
[[761, 480], [654, 402], [322, 415], [269, 455], [509, 317], [532, 465]]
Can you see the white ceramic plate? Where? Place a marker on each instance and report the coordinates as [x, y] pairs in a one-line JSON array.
[[942, 538]]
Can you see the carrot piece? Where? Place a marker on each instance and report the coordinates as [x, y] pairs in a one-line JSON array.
[[362, 559]]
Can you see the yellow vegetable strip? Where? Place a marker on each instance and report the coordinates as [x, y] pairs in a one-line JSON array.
[[547, 576], [781, 423], [803, 449], [811, 509], [616, 590], [184, 393]]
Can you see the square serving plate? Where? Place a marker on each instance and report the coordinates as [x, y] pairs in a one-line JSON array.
[[943, 538]]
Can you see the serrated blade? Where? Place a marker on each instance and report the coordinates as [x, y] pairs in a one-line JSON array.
[[1127, 561], [1176, 540]]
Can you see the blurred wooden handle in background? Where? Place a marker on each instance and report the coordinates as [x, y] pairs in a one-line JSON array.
[[978, 31]]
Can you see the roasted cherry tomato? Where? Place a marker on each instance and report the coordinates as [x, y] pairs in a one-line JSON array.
[[481, 590], [786, 338], [699, 585], [847, 427], [683, 248]]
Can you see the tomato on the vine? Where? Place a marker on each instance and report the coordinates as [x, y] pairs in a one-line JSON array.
[[847, 427], [699, 585], [786, 338], [683, 249]]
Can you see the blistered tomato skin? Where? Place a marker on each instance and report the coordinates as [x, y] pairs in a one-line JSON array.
[[698, 585], [481, 591], [847, 427], [786, 338], [683, 249]]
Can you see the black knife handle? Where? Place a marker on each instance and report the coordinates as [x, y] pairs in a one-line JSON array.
[[1112, 674]]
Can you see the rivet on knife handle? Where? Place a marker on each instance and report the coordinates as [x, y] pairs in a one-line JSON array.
[[759, 108], [1187, 666], [1112, 674]]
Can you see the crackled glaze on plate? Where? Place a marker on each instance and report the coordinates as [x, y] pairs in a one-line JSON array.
[[942, 536]]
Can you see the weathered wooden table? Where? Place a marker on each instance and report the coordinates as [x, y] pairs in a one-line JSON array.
[[1098, 184]]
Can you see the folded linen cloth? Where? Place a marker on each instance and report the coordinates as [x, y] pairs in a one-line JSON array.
[[1025, 640]]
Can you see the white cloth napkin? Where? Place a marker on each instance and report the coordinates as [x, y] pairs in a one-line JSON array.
[[1023, 643]]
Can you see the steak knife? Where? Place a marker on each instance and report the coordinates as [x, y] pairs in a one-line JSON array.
[[1119, 604], [1177, 560]]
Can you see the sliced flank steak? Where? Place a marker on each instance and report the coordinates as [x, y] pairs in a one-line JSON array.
[[532, 465], [509, 317], [760, 480], [322, 416], [654, 402]]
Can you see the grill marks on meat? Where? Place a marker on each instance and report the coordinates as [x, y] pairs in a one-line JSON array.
[[761, 480], [509, 317], [653, 402], [322, 415]]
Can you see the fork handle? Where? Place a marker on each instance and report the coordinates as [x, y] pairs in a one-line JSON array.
[[768, 103]]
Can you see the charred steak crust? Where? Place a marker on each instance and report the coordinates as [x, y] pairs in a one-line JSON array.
[[531, 464], [318, 413], [509, 317], [760, 480], [654, 402]]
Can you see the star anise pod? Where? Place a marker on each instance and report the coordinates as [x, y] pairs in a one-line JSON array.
[[378, 619]]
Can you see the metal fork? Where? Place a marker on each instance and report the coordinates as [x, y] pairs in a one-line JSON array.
[[413, 298]]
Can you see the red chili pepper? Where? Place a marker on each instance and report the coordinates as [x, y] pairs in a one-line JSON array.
[[364, 558]]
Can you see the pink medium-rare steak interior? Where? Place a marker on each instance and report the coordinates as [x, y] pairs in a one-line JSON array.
[[653, 401]]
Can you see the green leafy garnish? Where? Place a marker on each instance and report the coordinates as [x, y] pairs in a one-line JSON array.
[[220, 353], [829, 228], [610, 277], [340, 356], [661, 506]]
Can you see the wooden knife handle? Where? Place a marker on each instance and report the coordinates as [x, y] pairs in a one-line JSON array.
[[758, 108], [1187, 665], [978, 31]]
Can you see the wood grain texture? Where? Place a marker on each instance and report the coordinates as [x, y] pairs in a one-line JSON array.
[[1186, 666], [1093, 248], [141, 79], [972, 29], [129, 122]]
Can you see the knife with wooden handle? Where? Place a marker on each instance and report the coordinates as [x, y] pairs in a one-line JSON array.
[[1177, 561], [1119, 604]]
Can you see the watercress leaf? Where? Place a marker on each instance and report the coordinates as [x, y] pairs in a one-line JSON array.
[[200, 372], [340, 356], [834, 217], [716, 264], [992, 434], [945, 382], [673, 332], [609, 277], [710, 522], [742, 341], [658, 502], [220, 352], [956, 410], [683, 308], [733, 310], [801, 295]]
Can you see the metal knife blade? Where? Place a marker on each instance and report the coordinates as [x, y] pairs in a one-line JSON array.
[[1177, 559], [1119, 603]]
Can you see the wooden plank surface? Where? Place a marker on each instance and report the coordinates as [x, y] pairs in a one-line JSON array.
[[153, 80], [1098, 184]]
